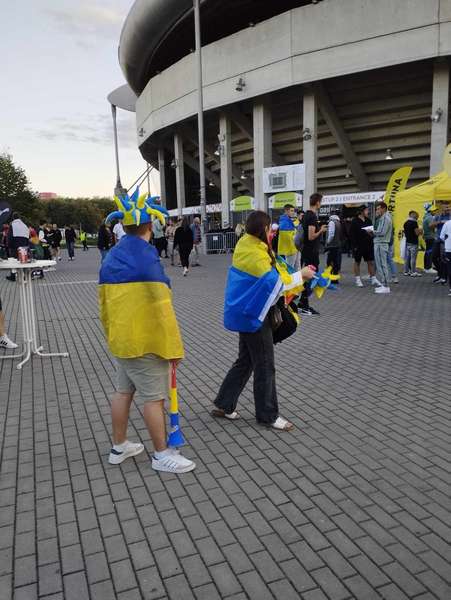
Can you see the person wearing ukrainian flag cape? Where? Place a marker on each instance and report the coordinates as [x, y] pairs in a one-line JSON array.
[[255, 283], [142, 332], [287, 232]]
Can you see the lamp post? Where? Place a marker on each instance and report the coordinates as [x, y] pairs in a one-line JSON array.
[[200, 123], [118, 190]]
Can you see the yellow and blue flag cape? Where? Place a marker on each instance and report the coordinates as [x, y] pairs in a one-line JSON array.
[[287, 232], [136, 302], [253, 285]]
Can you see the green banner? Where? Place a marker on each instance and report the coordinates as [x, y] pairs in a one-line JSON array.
[[242, 203]]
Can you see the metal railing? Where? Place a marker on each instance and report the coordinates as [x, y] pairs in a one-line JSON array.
[[221, 243]]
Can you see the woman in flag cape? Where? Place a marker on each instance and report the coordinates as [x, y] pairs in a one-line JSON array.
[[255, 283]]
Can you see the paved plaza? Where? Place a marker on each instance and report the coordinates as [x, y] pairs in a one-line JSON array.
[[354, 503]]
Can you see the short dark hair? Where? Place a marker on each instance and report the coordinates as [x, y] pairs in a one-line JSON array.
[[382, 205], [15, 216], [136, 229], [413, 212], [361, 209], [315, 198], [288, 207]]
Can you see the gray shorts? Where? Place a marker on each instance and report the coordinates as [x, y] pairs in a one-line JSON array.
[[148, 375]]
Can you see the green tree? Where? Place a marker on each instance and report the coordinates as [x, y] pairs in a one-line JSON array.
[[14, 188]]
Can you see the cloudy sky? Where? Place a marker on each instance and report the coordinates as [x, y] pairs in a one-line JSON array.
[[59, 62]]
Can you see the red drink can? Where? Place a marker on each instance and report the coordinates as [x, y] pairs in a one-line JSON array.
[[22, 254]]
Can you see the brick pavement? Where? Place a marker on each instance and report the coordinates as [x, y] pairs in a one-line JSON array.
[[353, 504]]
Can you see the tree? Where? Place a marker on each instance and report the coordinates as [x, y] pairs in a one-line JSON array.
[[14, 188]]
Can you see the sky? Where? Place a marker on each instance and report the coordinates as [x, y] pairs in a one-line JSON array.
[[59, 63]]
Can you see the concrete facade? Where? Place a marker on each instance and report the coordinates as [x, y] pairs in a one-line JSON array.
[[306, 44]]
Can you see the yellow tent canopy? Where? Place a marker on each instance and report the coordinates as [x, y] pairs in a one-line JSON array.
[[436, 190]]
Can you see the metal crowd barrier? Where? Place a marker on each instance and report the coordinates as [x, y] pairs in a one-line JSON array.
[[221, 243]]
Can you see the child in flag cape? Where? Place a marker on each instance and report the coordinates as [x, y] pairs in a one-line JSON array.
[[142, 332], [255, 283]]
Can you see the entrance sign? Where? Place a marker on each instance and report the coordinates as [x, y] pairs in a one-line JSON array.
[[357, 198], [287, 178]]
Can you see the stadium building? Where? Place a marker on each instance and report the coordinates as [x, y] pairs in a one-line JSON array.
[[350, 88]]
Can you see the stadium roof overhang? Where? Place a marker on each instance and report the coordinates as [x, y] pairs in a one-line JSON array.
[[158, 33]]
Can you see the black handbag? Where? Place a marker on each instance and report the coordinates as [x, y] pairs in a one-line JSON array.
[[283, 321]]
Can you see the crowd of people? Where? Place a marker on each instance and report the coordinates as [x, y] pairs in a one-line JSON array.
[[299, 236]]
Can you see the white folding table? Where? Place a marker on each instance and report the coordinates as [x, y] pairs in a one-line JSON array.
[[27, 309]]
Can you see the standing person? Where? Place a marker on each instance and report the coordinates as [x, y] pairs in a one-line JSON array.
[[412, 232], [333, 243], [382, 235], [170, 232], [310, 251], [43, 233], [4, 239], [197, 240], [143, 335], [362, 246], [438, 251], [70, 236], [391, 262], [158, 236], [428, 235], [104, 239], [18, 237], [5, 342], [55, 242], [84, 240], [118, 232], [183, 241], [287, 232], [253, 286], [445, 236]]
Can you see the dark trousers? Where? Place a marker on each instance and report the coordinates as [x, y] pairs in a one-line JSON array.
[[256, 355], [448, 265], [184, 255], [308, 258], [159, 245], [85, 246], [70, 249], [334, 260], [438, 259], [428, 253]]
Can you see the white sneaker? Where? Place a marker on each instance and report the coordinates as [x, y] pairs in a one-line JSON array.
[[358, 282], [430, 271], [173, 462], [375, 281], [185, 272], [416, 274], [130, 449], [394, 280], [407, 274], [382, 290], [367, 277], [6, 343]]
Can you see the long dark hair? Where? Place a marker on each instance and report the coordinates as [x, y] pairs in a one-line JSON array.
[[256, 225]]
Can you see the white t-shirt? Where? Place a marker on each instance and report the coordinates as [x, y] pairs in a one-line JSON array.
[[118, 231], [446, 231]]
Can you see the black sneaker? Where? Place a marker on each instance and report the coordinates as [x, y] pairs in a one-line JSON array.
[[437, 280], [305, 311], [314, 312]]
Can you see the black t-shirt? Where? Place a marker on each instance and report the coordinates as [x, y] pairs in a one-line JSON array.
[[360, 239], [409, 230], [311, 218]]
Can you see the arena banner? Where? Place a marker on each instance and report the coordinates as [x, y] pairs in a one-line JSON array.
[[397, 184]]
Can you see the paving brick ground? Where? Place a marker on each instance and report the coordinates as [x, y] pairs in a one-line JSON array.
[[355, 503]]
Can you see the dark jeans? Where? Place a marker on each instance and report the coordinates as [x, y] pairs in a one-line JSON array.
[[70, 249], [308, 258], [334, 260], [448, 265], [159, 244], [428, 254], [438, 259], [256, 354]]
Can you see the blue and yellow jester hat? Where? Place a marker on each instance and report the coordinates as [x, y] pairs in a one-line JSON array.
[[135, 210]]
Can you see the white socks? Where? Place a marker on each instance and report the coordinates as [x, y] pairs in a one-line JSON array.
[[163, 453]]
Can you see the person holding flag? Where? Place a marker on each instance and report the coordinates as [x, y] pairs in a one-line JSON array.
[[287, 232], [255, 283], [142, 333]]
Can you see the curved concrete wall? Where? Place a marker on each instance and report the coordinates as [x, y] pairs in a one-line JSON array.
[[313, 42]]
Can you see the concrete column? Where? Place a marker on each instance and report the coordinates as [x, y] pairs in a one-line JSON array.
[[440, 101], [179, 172], [262, 150], [162, 171], [226, 167], [309, 125]]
